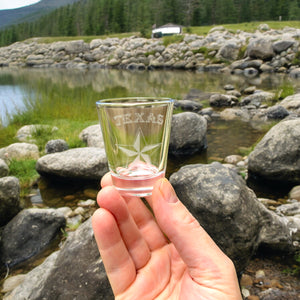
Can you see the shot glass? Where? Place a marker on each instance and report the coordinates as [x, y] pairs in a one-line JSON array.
[[136, 134]]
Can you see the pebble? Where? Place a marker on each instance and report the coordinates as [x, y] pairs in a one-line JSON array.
[[87, 203], [246, 280], [69, 198], [90, 193]]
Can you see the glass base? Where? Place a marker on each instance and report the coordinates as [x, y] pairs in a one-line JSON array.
[[136, 186]]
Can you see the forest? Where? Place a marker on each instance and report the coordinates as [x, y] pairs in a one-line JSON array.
[[98, 17]]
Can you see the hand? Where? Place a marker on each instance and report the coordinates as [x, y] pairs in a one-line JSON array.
[[170, 257]]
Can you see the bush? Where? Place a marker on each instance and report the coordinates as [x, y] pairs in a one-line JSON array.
[[171, 39]]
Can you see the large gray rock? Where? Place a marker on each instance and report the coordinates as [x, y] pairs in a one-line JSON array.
[[9, 198], [257, 98], [229, 51], [28, 233], [75, 272], [277, 156], [260, 48], [276, 112], [282, 45], [291, 102], [295, 73], [188, 134], [87, 163], [229, 211], [92, 136], [221, 100], [54, 146], [20, 151]]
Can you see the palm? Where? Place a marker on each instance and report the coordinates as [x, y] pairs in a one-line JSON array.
[[142, 264]]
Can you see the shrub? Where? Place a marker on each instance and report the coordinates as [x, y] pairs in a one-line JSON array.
[[171, 39]]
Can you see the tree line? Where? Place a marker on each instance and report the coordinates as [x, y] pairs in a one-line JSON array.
[[98, 17]]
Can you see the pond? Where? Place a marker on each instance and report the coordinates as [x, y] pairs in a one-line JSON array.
[[56, 94]]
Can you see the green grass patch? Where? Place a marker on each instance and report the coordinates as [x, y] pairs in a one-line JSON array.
[[247, 26], [171, 39], [284, 90], [25, 171], [296, 60], [85, 38]]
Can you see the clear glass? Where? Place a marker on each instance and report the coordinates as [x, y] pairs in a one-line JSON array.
[[136, 133]]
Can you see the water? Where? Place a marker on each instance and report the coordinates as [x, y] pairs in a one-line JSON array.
[[17, 86], [11, 102]]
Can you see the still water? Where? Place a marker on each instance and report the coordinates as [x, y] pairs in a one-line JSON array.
[[20, 90]]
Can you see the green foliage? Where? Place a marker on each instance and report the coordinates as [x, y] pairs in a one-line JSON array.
[[295, 268], [25, 171], [171, 39], [202, 50], [284, 90], [242, 52], [296, 60]]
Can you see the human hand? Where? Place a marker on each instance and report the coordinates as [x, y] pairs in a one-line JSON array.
[[166, 257]]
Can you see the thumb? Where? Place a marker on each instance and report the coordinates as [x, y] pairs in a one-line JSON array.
[[193, 244]]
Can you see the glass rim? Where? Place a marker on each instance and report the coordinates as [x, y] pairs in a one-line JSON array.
[[134, 101]]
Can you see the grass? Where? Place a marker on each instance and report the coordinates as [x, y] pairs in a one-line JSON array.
[[200, 30], [284, 90], [25, 171], [248, 27], [86, 39]]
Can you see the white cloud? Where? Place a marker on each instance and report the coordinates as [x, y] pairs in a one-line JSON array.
[[9, 4]]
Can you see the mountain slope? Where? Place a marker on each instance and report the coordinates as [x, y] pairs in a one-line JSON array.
[[31, 12]]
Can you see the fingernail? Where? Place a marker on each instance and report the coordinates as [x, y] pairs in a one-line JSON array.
[[167, 191]]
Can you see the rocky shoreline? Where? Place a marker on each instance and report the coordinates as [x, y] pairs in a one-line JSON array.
[[265, 50], [252, 223]]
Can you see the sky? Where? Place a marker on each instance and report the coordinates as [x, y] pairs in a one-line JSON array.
[[9, 4]]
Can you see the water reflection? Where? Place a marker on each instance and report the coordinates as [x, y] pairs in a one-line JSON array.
[[223, 137]]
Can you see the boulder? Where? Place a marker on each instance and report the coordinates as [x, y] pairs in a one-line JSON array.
[[92, 136], [87, 163], [291, 102], [25, 133], [260, 48], [257, 98], [276, 112], [276, 157], [3, 168], [189, 105], [295, 73], [54, 146], [295, 193], [28, 233], [20, 151], [9, 198], [235, 114], [229, 211], [220, 100], [74, 272], [282, 45], [188, 134], [229, 51]]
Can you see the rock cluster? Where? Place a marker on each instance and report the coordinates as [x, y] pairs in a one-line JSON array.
[[216, 194], [240, 53]]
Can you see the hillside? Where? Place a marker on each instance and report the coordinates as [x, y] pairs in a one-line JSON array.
[[31, 12]]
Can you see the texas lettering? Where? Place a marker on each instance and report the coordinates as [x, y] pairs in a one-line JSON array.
[[132, 118]]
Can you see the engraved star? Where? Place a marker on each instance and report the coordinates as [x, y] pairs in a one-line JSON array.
[[139, 150]]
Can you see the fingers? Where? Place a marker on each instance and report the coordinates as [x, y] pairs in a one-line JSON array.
[[136, 245], [193, 244], [118, 263], [142, 217]]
